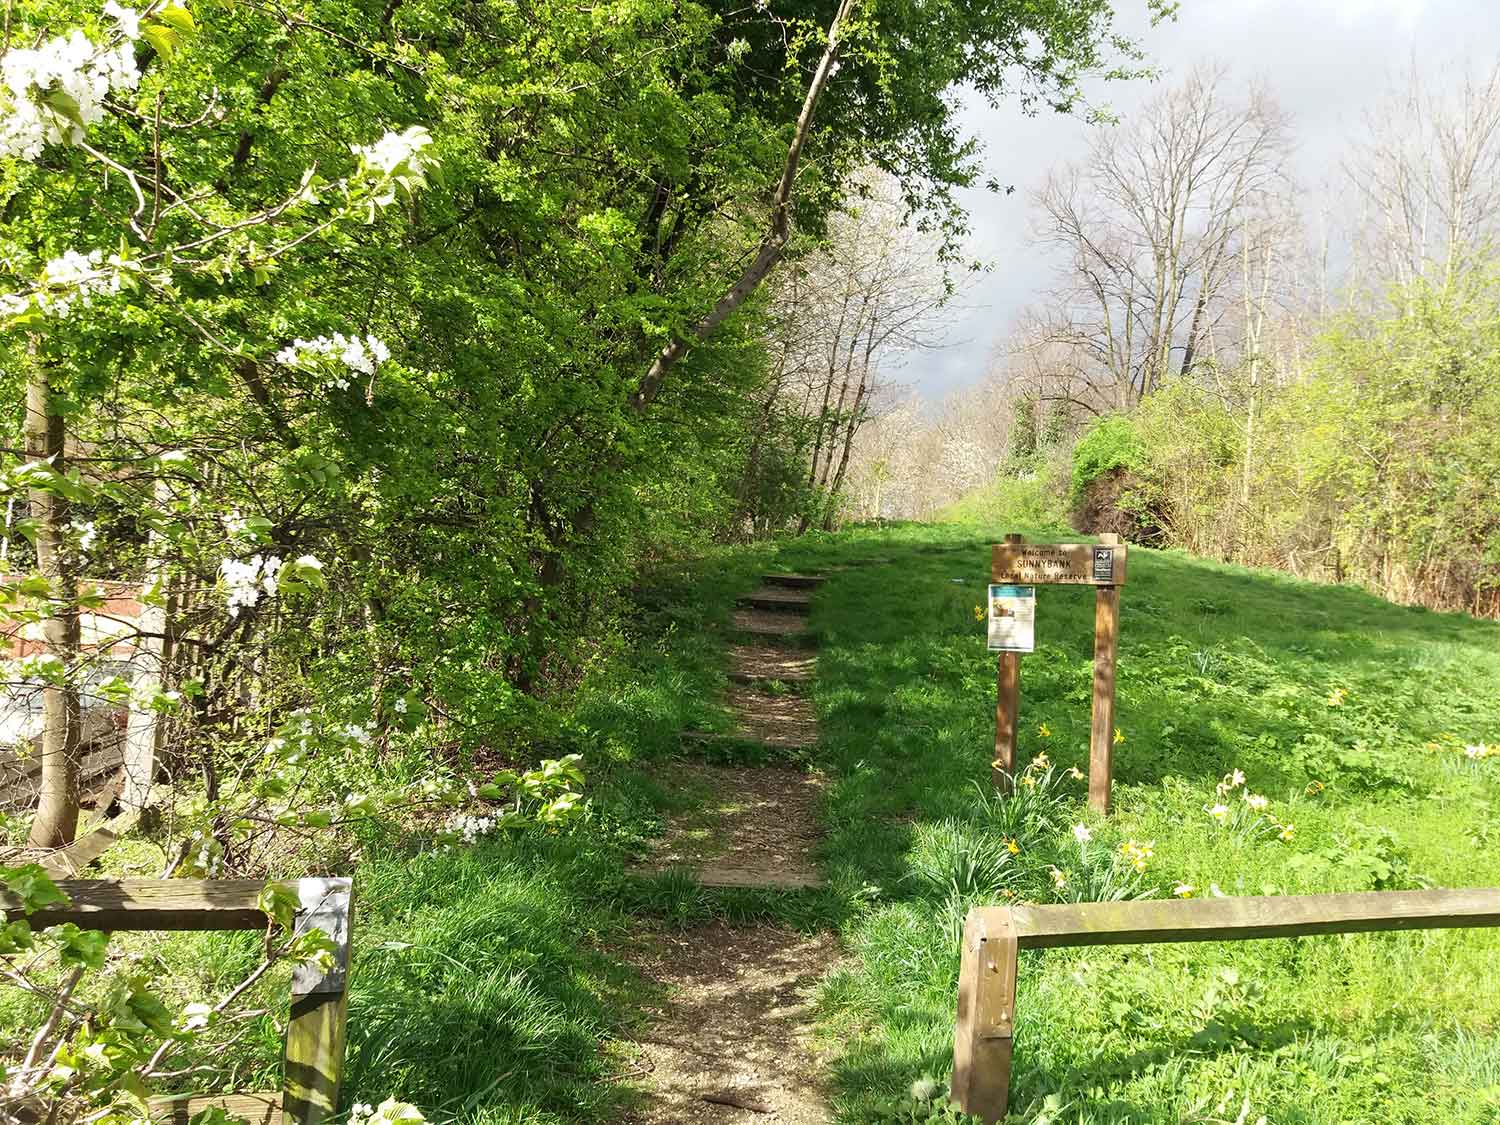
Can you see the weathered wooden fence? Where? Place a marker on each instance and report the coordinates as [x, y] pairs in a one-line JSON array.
[[994, 936], [314, 1053]]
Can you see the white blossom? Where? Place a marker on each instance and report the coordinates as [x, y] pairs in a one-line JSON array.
[[247, 579], [394, 150], [56, 90], [361, 354], [127, 19], [1081, 833]]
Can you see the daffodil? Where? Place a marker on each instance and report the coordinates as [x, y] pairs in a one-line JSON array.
[[1184, 890], [1219, 812], [1059, 878], [1287, 830], [1119, 736], [1081, 833], [1075, 773], [979, 613], [1012, 847], [1044, 730], [1256, 801]]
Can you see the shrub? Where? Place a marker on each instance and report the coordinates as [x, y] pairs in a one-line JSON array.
[[1110, 444]]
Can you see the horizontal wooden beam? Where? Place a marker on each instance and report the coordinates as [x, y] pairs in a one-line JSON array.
[[1268, 916], [256, 1109], [155, 904]]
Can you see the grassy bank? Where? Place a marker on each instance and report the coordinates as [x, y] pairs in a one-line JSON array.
[[489, 983], [1349, 715]]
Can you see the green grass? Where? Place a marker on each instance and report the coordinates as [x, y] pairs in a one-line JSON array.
[[1220, 669], [489, 983]]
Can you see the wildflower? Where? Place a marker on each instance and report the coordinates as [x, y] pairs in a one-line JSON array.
[[1476, 751], [1230, 783], [1184, 890], [1075, 773], [1027, 780], [979, 613], [1337, 696], [401, 705], [1119, 736], [1314, 788], [1081, 833], [1214, 892], [1138, 855], [1287, 831], [1059, 878], [1012, 847], [1044, 730], [1219, 812], [1256, 801], [1041, 761]]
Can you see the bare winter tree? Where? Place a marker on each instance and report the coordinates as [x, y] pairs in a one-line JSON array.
[[1150, 230], [1428, 176], [845, 316]]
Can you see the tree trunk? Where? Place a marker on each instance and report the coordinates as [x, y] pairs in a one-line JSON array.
[[57, 806]]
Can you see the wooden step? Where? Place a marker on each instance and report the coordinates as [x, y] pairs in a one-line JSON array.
[[794, 581], [787, 627], [787, 879], [749, 664], [782, 601]]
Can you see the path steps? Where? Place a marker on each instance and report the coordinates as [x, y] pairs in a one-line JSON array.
[[750, 664], [731, 1040]]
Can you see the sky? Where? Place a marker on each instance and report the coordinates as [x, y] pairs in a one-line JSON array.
[[1328, 62]]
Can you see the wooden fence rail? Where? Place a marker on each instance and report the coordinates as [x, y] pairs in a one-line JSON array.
[[993, 937], [314, 1054]]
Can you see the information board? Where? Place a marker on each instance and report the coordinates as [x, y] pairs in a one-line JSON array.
[[1012, 618], [1058, 564]]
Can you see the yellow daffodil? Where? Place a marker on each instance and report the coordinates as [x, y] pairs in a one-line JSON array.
[[1287, 831], [1012, 847], [979, 613], [1183, 890], [1075, 773], [1119, 736], [1044, 730]]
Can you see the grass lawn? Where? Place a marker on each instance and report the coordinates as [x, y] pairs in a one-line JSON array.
[[1349, 715], [488, 985]]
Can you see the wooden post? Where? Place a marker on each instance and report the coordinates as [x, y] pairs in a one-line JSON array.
[[985, 1030], [314, 1064], [1007, 710], [1101, 738]]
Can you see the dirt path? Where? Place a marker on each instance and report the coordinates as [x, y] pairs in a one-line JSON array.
[[730, 1040]]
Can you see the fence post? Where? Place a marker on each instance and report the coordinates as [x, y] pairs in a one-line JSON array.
[[985, 1030], [314, 1063], [1007, 709], [1102, 727]]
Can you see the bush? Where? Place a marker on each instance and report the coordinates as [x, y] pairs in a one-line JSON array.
[[1110, 444]]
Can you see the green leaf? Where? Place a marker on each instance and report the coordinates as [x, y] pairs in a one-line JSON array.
[[280, 902], [161, 37], [33, 886], [178, 16], [76, 946]]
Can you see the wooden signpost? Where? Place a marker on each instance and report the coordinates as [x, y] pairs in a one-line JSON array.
[[1102, 565]]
